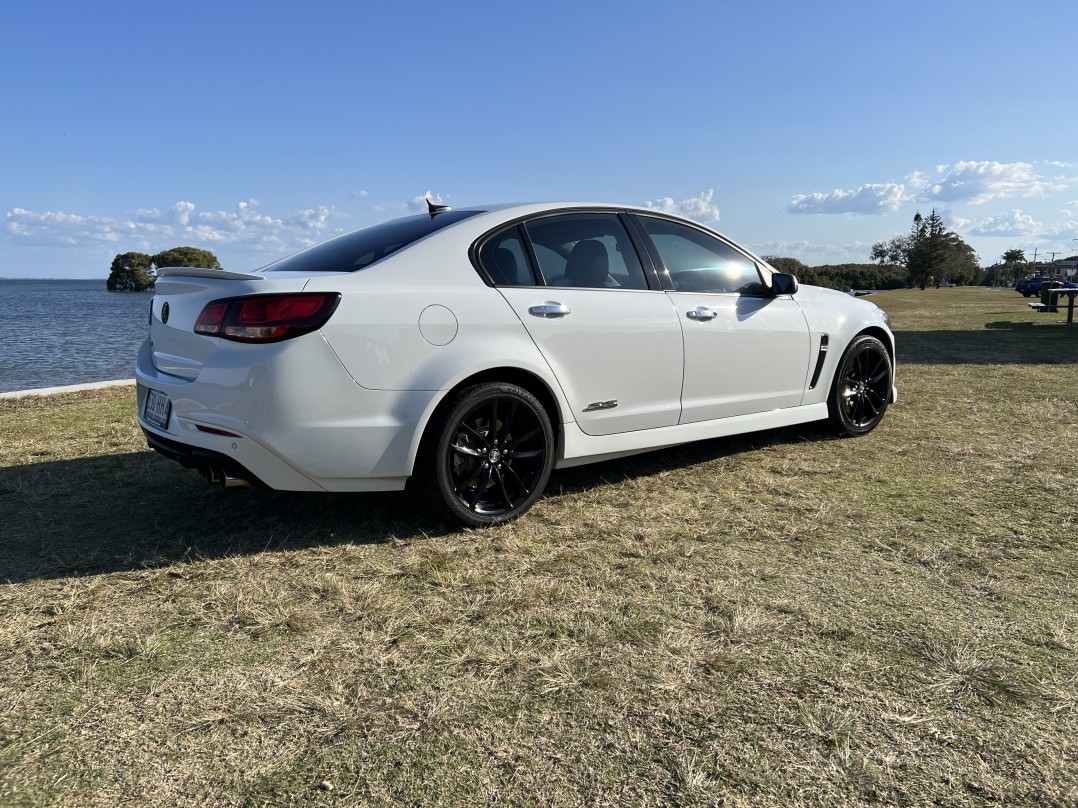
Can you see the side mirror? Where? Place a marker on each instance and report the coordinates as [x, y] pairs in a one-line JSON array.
[[783, 284]]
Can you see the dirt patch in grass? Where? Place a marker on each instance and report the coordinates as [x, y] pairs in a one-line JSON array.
[[781, 618]]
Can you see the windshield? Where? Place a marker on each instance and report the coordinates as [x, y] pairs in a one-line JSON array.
[[359, 250]]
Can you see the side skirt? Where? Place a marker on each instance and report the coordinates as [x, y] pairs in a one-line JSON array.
[[578, 449]]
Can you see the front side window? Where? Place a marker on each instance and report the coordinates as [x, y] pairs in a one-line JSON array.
[[697, 262], [586, 250], [359, 250]]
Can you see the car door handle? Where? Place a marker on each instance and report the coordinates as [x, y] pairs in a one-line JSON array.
[[701, 313], [550, 310]]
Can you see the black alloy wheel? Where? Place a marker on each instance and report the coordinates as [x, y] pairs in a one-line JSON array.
[[494, 455], [862, 387]]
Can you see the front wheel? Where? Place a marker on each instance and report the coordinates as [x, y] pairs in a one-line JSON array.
[[491, 455], [862, 387]]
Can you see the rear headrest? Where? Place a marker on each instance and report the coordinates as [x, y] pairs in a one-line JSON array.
[[588, 264]]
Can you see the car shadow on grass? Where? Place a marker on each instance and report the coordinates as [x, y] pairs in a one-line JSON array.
[[132, 511], [999, 343], [70, 518]]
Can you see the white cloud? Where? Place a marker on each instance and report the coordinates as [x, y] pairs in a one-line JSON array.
[[919, 180], [1011, 223], [814, 254], [419, 203], [868, 199], [972, 182], [356, 194], [790, 249], [151, 230], [699, 207], [182, 211], [1018, 224], [978, 182], [69, 229]]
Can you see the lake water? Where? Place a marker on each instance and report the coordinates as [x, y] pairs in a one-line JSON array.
[[68, 332]]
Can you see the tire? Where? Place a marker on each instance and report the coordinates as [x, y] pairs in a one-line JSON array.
[[861, 388], [489, 457]]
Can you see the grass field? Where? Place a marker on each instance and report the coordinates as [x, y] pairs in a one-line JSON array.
[[782, 618]]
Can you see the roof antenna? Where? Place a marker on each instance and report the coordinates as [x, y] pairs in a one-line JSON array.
[[434, 210]]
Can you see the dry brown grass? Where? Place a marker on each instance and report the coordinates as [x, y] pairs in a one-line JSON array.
[[776, 619]]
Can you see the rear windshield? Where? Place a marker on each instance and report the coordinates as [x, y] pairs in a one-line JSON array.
[[364, 247]]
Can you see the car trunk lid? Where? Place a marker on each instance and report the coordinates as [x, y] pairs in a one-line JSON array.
[[180, 294]]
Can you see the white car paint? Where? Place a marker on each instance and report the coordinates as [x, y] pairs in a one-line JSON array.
[[345, 408], [623, 346]]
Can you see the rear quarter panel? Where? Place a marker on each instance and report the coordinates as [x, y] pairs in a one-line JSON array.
[[376, 332]]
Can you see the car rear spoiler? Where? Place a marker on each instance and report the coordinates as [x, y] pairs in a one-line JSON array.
[[201, 272]]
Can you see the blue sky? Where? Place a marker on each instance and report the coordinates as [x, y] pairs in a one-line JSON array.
[[809, 130]]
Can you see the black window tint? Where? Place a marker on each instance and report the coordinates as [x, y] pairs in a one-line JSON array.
[[364, 247], [505, 260], [587, 250], [698, 262]]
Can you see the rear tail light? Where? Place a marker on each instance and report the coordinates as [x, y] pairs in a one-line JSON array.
[[266, 318]]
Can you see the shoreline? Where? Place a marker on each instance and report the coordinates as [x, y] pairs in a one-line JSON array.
[[70, 388]]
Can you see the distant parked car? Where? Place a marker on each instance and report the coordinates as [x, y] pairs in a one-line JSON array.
[[1031, 286], [478, 349]]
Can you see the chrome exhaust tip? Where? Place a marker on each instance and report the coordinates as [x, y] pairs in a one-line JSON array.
[[219, 477]]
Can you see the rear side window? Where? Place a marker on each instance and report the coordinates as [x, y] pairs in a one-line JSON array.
[[586, 250], [359, 250], [505, 258]]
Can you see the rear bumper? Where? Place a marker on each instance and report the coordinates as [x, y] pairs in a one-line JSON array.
[[294, 421], [213, 465]]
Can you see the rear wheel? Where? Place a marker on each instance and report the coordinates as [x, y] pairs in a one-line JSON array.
[[862, 387], [491, 454]]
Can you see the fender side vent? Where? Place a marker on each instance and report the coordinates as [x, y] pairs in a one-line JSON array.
[[819, 362]]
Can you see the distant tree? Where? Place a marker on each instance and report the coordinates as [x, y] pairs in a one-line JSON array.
[[1014, 263], [859, 276], [805, 274], [130, 272], [930, 253], [960, 263], [842, 276], [186, 257], [919, 259], [791, 266], [894, 251]]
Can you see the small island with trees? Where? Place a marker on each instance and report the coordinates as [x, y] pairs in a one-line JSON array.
[[137, 272]]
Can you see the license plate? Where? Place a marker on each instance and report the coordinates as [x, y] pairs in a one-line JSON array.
[[157, 409]]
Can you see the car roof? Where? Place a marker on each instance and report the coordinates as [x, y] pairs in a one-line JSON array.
[[525, 208]]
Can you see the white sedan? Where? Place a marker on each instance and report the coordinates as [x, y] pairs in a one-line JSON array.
[[476, 350]]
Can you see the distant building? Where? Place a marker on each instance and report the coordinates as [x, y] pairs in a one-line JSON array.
[[1068, 267]]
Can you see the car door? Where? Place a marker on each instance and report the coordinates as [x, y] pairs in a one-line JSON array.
[[746, 351], [613, 342]]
